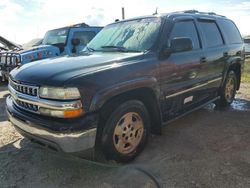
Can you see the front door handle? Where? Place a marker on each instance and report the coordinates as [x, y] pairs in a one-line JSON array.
[[203, 59]]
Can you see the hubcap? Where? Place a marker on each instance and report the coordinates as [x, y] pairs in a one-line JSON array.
[[229, 90], [128, 133]]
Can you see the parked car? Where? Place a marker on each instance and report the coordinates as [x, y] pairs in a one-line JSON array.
[[57, 42], [132, 78], [32, 43], [6, 45], [247, 45]]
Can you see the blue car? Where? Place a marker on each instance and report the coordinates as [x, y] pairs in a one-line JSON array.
[[57, 42]]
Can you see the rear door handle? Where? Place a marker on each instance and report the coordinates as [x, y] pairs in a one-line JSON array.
[[203, 59], [225, 54]]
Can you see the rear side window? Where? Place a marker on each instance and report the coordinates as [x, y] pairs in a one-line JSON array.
[[84, 36], [186, 29], [231, 32], [211, 34]]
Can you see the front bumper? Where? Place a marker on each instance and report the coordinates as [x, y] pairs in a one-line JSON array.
[[69, 141]]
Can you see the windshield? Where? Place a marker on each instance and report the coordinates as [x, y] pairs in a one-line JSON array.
[[57, 36], [131, 36]]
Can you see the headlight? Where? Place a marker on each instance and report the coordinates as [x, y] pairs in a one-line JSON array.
[[8, 60], [13, 60], [3, 59], [59, 93]]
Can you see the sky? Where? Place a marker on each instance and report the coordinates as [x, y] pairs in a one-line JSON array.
[[24, 20]]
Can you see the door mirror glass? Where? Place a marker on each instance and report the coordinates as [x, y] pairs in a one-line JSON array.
[[181, 44]]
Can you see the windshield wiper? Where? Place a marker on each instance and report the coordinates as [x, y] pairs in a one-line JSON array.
[[90, 49], [119, 48]]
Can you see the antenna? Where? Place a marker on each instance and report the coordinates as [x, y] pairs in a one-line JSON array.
[[156, 11], [123, 13]]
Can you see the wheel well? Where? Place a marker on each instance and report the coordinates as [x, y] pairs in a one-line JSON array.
[[145, 95], [236, 67]]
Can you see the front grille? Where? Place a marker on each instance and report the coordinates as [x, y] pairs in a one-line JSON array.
[[25, 89], [10, 59], [27, 106], [28, 92]]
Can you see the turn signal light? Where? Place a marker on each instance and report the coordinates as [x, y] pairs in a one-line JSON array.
[[73, 113]]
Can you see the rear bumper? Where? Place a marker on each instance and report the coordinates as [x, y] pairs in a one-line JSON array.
[[69, 141]]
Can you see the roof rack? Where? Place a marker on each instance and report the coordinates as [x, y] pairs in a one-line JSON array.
[[198, 12], [80, 25]]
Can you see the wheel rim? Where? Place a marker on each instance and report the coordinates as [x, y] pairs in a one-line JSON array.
[[229, 89], [128, 133]]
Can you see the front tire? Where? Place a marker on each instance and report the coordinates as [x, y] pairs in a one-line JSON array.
[[126, 131]]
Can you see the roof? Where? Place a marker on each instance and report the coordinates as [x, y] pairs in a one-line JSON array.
[[193, 13], [84, 25]]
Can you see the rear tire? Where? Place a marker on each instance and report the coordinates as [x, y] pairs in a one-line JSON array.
[[228, 90], [126, 131]]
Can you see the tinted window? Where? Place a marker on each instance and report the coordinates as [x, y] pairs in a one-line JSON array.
[[231, 32], [84, 36], [211, 34], [246, 40], [186, 29]]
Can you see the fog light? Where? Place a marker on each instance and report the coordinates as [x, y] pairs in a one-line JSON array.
[[61, 113]]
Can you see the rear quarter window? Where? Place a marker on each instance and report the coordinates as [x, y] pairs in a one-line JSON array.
[[230, 31]]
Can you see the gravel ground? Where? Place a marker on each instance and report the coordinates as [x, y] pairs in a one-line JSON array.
[[207, 148]]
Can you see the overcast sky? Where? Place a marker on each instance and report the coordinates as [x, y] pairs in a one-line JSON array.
[[23, 20]]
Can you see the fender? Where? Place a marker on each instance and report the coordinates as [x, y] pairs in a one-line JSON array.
[[230, 62], [106, 94]]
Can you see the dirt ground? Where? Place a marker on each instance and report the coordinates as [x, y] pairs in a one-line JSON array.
[[207, 148]]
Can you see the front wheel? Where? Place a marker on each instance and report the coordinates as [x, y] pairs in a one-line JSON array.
[[228, 89], [126, 131]]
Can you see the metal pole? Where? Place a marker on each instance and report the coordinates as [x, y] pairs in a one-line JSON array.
[[123, 13]]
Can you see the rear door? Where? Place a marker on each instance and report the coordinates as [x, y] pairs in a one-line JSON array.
[[215, 54]]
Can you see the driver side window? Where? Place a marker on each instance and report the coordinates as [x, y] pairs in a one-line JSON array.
[[186, 29], [84, 36]]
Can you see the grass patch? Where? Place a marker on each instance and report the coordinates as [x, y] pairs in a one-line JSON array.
[[246, 74]]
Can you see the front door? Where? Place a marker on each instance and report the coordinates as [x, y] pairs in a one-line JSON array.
[[181, 73]]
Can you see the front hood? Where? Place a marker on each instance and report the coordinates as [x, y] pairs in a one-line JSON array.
[[36, 49], [55, 71], [38, 52]]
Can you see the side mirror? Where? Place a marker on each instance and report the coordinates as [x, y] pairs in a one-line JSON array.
[[181, 44], [75, 41]]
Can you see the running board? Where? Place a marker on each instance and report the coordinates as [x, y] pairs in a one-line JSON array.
[[188, 112]]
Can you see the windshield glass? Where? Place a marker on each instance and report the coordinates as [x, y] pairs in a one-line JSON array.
[[135, 36], [57, 36]]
